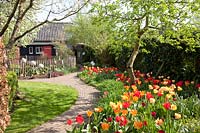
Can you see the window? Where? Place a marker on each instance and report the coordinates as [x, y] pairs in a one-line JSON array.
[[30, 49], [38, 50]]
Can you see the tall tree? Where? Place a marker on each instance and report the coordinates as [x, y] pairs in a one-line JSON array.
[[85, 31], [138, 18]]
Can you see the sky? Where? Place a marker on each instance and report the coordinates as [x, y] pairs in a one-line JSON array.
[[58, 6]]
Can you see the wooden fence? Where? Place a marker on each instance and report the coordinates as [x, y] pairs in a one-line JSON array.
[[23, 67]]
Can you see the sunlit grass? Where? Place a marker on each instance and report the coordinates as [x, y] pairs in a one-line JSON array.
[[42, 102]]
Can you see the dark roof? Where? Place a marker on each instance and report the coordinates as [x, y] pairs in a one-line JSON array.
[[42, 43], [52, 32]]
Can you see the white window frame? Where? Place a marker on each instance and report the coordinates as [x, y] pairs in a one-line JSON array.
[[38, 50], [30, 50]]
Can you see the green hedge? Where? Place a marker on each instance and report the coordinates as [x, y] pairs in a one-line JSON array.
[[161, 59], [13, 84]]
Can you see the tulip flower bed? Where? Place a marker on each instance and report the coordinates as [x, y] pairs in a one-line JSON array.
[[95, 75], [150, 105]]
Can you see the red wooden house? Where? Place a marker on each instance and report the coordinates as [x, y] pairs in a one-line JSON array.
[[44, 44]]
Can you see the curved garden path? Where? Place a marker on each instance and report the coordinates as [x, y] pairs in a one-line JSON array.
[[87, 97]]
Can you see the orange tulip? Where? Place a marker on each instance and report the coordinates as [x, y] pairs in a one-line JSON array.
[[138, 124], [89, 113], [127, 87], [105, 126], [117, 111], [124, 112], [133, 112], [134, 87], [135, 99]]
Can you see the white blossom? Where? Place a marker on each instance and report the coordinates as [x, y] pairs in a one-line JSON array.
[[33, 63], [24, 60], [92, 63], [41, 65]]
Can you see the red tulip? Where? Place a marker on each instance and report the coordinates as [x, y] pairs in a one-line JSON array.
[[153, 114], [137, 94], [126, 105], [179, 83], [118, 118], [167, 105], [123, 121], [109, 119], [149, 95], [69, 122], [143, 104], [161, 131], [79, 119], [144, 123]]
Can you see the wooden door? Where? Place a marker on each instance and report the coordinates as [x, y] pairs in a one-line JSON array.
[[47, 50]]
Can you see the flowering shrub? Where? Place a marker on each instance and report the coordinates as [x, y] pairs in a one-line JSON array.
[[150, 105], [36, 70], [4, 92]]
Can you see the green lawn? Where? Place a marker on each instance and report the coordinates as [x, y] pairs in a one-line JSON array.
[[43, 101]]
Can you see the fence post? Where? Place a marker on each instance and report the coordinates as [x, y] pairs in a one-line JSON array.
[[4, 91]]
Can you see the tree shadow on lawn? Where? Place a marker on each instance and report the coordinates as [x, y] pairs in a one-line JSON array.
[[37, 109]]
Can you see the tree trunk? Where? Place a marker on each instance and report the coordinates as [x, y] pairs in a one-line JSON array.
[[4, 91], [160, 68], [131, 61]]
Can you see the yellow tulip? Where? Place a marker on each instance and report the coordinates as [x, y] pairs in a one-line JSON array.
[[173, 107], [177, 116], [152, 100], [99, 109], [159, 121]]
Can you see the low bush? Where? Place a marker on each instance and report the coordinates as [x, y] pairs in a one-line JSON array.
[[13, 84]]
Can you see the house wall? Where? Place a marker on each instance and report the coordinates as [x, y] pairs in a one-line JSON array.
[[25, 51]]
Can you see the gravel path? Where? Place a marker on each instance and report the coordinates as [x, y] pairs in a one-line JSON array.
[[87, 98]]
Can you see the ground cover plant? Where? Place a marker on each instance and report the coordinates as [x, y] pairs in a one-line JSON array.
[[40, 102], [150, 105]]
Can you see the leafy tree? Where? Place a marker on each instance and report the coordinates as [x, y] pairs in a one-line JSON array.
[[87, 32], [137, 19]]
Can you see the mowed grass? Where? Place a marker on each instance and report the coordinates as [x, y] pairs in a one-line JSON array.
[[42, 102]]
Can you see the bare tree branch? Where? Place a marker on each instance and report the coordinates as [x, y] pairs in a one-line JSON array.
[[60, 12], [154, 27], [19, 20], [28, 31], [72, 12], [9, 18]]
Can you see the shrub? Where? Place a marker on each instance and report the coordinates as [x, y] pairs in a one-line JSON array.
[[4, 91], [13, 84]]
